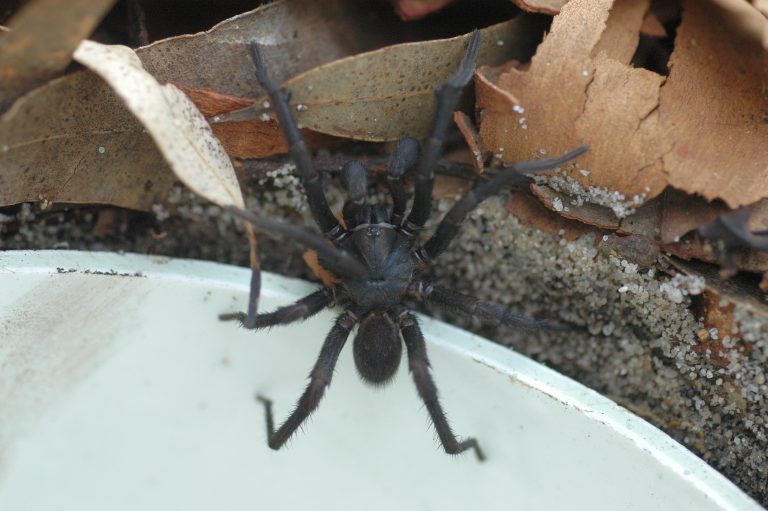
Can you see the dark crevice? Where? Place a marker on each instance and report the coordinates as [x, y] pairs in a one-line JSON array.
[[653, 52]]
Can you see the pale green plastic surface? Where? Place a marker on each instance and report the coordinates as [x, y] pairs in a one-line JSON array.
[[127, 393]]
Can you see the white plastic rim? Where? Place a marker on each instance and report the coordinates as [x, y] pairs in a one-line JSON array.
[[120, 389]]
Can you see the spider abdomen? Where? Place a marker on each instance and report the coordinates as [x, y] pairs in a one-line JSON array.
[[377, 348]]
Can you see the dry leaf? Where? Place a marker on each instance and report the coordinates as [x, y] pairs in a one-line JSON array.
[[644, 130], [215, 69], [472, 138], [590, 214], [645, 221], [250, 138], [295, 36], [682, 213], [568, 97], [531, 212], [43, 35], [637, 249], [718, 127], [212, 103], [545, 6], [177, 127], [180, 131], [389, 93], [73, 141]]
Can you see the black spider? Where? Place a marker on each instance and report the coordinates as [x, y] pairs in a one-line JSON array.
[[378, 260]]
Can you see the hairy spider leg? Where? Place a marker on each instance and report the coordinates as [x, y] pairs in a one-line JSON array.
[[474, 307], [336, 260], [419, 367], [319, 379], [356, 183], [449, 226], [448, 95], [404, 156], [310, 178], [297, 311]]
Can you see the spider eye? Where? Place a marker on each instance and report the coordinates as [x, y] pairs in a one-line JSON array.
[[374, 231]]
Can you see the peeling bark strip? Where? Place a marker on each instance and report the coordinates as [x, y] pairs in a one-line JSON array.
[[645, 132], [714, 104]]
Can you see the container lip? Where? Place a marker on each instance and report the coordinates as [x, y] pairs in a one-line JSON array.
[[518, 368]]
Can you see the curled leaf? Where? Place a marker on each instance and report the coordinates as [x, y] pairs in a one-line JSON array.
[[177, 127], [646, 131], [180, 131]]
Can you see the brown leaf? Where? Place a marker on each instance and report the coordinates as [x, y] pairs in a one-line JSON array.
[[590, 214], [569, 97], [389, 93], [637, 249], [472, 138], [693, 247], [645, 221], [177, 127], [43, 35], [260, 139], [682, 213], [212, 103], [249, 138], [545, 6], [531, 212], [73, 141], [295, 36], [713, 104], [179, 131], [701, 129]]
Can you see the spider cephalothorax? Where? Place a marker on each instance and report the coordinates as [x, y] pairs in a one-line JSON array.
[[379, 262]]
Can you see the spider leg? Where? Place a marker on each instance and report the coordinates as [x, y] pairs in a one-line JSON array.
[[449, 226], [310, 178], [320, 378], [356, 183], [419, 366], [335, 259], [403, 157], [448, 95], [487, 311], [298, 311]]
